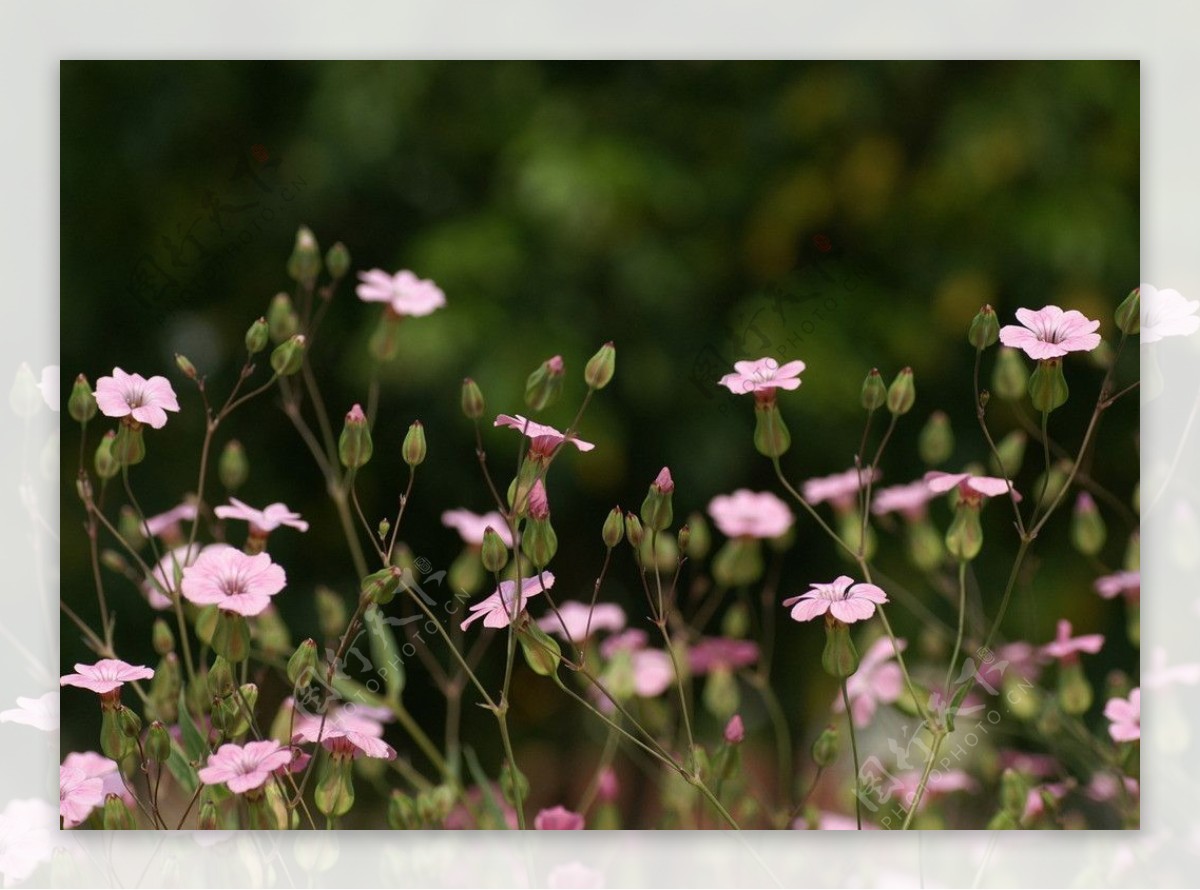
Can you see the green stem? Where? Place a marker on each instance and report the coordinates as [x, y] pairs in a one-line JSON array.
[[938, 738], [962, 615], [854, 752]]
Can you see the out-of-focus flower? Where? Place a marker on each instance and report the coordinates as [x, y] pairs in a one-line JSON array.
[[839, 489], [1018, 659], [497, 609], [1064, 646], [1128, 584], [1126, 717], [155, 526], [404, 292], [750, 514], [1035, 803], [1050, 332], [878, 681], [264, 521], [558, 819], [132, 395], [908, 500], [582, 620], [106, 675], [735, 730], [763, 375], [714, 653], [471, 526], [970, 488], [1166, 313], [244, 767], [40, 713], [1106, 786], [653, 672], [78, 795], [26, 838], [232, 580], [544, 438], [842, 598], [940, 782], [97, 766], [608, 786], [479, 800], [163, 577]]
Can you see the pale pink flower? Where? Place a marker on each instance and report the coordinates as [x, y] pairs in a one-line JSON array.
[[97, 766], [721, 653], [763, 375], [1019, 659], [735, 730], [750, 514], [477, 800], [544, 439], [1166, 313], [471, 526], [1106, 786], [28, 837], [941, 781], [78, 795], [582, 620], [349, 744], [40, 713], [244, 767], [653, 672], [264, 521], [1050, 332], [106, 675], [147, 401], [840, 489], [539, 503], [1035, 802], [558, 819], [348, 718], [663, 483], [841, 598], [877, 681], [404, 292], [1126, 717], [169, 521], [627, 641], [232, 580], [1064, 646], [907, 500], [970, 488], [1040, 766], [164, 577], [1128, 584], [496, 609], [608, 786]]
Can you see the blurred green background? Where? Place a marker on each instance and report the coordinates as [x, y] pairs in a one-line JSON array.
[[855, 215]]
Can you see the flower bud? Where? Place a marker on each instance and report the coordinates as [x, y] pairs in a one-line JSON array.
[[1011, 451], [600, 367], [334, 793], [542, 652], [1010, 375], [735, 731], [208, 819], [936, 443], [614, 528], [384, 344], [288, 357], [114, 744], [233, 467], [700, 539], [185, 366], [231, 638], [840, 658], [633, 530], [874, 393], [924, 545], [738, 562], [114, 561], [106, 462], [466, 572], [117, 816], [1074, 691], [354, 444], [302, 666], [1048, 485], [902, 393], [1014, 792], [1047, 386], [158, 742], [825, 748], [539, 504], [257, 336], [131, 527], [1088, 531], [771, 436], [220, 678], [380, 587], [304, 264], [413, 449], [129, 447], [1129, 313], [539, 542], [985, 329], [964, 538], [81, 404], [129, 722], [472, 399], [493, 552], [165, 688], [683, 538], [337, 260], [656, 508], [544, 385], [162, 637], [331, 612], [512, 781], [282, 321]]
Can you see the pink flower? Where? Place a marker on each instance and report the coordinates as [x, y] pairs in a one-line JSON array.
[[1106, 786], [404, 292], [841, 600], [168, 523], [558, 819], [539, 504], [106, 675], [476, 801], [147, 401], [97, 766], [750, 514], [765, 375], [628, 641], [28, 837], [1127, 583], [233, 581], [545, 439], [471, 526], [1165, 313], [653, 672], [1065, 646], [663, 483], [943, 781], [908, 500], [164, 577], [1126, 717], [1050, 332], [970, 488], [877, 681], [262, 522], [78, 795], [496, 609], [735, 730], [1040, 766], [608, 786], [1020, 659], [244, 767], [342, 719], [40, 713], [840, 489], [582, 620], [716, 653], [1035, 802]]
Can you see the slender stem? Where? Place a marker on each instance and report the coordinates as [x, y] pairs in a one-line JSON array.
[[981, 416], [962, 615], [518, 804], [938, 738], [854, 752], [661, 621]]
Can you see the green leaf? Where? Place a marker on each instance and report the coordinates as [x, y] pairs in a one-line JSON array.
[[195, 743], [385, 653], [182, 770]]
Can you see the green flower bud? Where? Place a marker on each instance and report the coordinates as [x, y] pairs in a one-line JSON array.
[[825, 748], [185, 366], [658, 551], [701, 538], [539, 543], [354, 444], [466, 572], [850, 530], [304, 265], [384, 344], [380, 587], [1074, 691], [208, 818], [114, 561], [1051, 484], [81, 404], [512, 780], [220, 678], [874, 393], [206, 622], [131, 527], [633, 530], [964, 538], [288, 357], [721, 698], [272, 634], [771, 436], [162, 637], [472, 399], [936, 443], [402, 812], [129, 722], [1129, 313], [1010, 375], [902, 394], [337, 260], [165, 688], [985, 329], [158, 742], [233, 467], [614, 528], [736, 621], [302, 666], [600, 367], [494, 552], [331, 613], [414, 445], [656, 508], [117, 816], [282, 321], [1088, 531], [683, 538], [738, 562], [924, 545], [542, 652], [129, 447], [113, 742], [257, 336], [1047, 386], [231, 638], [1011, 451], [335, 786], [840, 658], [544, 385], [1014, 792], [106, 463]]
